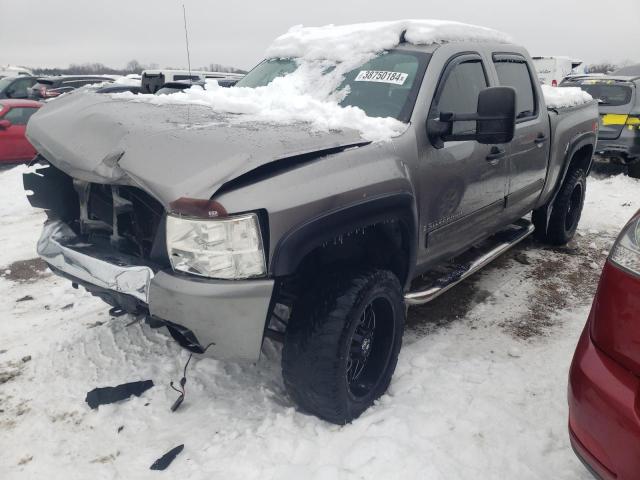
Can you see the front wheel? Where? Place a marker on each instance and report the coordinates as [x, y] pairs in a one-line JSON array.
[[565, 211], [634, 169], [342, 344]]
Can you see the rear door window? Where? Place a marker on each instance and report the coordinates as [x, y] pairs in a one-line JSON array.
[[459, 93], [514, 72], [194, 78]]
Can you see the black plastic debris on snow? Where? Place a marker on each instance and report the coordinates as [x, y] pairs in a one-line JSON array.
[[164, 461], [106, 395]]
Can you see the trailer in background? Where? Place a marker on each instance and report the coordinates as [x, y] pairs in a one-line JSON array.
[[551, 70]]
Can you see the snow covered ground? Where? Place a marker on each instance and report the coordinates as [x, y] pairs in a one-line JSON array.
[[479, 392]]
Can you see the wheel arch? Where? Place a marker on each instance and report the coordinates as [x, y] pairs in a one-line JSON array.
[[580, 150], [579, 155], [301, 241]]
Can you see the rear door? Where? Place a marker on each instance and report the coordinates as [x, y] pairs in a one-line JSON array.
[[529, 150], [464, 182], [7, 146], [615, 101], [19, 147]]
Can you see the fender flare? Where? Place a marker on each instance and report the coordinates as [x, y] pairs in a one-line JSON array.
[[580, 141], [302, 239]]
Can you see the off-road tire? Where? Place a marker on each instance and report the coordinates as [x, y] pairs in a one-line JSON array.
[[634, 169], [565, 211], [316, 357]]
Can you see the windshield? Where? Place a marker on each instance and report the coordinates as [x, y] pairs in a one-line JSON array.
[[608, 94], [385, 86]]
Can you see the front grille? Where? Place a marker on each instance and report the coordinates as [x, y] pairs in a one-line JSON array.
[[131, 220], [118, 217]]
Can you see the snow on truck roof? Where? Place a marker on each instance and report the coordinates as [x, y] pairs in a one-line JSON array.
[[341, 42]]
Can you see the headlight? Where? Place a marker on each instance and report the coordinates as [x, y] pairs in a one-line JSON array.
[[626, 251], [229, 247]]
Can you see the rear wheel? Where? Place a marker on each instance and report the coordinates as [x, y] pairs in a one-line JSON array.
[[565, 211], [634, 169], [342, 344]]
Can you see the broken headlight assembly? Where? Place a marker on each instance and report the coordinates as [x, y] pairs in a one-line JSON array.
[[225, 248]]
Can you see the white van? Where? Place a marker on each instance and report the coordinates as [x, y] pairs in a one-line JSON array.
[[14, 71], [154, 80], [551, 70]]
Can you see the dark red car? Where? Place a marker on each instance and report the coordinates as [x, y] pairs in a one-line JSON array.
[[604, 381], [14, 115]]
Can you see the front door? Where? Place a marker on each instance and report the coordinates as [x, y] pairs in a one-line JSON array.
[[462, 184]]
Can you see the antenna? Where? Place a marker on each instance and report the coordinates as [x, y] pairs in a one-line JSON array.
[[186, 38]]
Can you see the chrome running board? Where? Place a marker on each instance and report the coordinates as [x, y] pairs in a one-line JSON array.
[[437, 282]]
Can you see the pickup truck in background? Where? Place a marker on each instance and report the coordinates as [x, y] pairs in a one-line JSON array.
[[618, 98], [319, 240]]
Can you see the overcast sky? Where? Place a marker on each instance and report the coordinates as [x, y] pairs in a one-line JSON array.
[[236, 32]]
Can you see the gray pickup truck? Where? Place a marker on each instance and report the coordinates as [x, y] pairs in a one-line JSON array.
[[226, 233]]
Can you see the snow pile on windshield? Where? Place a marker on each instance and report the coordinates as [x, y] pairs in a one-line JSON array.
[[307, 95], [562, 97], [324, 55], [343, 42]]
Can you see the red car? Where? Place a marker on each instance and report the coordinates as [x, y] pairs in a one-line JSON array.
[[604, 381], [14, 115]]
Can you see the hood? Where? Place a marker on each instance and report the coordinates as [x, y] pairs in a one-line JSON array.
[[171, 151]]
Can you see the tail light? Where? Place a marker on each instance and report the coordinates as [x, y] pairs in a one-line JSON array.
[[48, 93], [554, 83], [626, 251], [615, 315]]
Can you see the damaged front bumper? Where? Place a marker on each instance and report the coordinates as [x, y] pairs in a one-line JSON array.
[[229, 314]]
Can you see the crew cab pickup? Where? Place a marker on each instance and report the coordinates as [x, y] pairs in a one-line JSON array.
[[227, 233]]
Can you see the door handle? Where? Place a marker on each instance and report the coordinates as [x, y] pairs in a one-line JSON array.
[[541, 139], [496, 154]]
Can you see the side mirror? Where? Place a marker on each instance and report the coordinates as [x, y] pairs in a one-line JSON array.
[[497, 115], [495, 119], [5, 124]]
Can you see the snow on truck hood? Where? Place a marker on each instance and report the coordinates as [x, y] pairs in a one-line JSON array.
[[171, 152]]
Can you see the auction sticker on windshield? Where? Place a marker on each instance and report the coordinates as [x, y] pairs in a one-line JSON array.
[[397, 78]]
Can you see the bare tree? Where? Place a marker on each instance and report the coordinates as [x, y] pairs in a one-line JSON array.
[[604, 67], [134, 66]]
